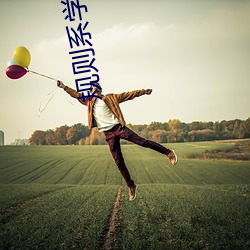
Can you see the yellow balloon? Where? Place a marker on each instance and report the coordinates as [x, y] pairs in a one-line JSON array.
[[22, 56]]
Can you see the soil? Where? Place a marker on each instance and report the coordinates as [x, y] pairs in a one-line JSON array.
[[112, 231]]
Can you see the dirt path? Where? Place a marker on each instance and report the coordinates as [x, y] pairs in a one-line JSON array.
[[111, 235]]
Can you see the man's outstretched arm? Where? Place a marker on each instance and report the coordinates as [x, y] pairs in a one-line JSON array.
[[132, 94], [73, 93], [148, 91], [60, 84]]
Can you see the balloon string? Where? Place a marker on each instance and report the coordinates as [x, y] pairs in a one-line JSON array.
[[50, 96], [71, 103], [51, 78], [41, 109]]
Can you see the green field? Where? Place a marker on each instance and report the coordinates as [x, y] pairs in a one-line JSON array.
[[62, 197]]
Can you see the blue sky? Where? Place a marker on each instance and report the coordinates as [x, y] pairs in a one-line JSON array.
[[195, 55]]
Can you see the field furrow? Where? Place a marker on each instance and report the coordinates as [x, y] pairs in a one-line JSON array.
[[112, 234]]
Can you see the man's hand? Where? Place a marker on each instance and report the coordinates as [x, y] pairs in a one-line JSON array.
[[148, 91], [60, 84]]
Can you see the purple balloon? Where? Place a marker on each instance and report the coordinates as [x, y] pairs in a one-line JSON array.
[[15, 71]]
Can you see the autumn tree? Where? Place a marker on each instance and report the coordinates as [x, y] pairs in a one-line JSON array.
[[38, 138], [175, 133], [159, 135], [157, 125], [95, 138], [244, 129], [76, 133], [202, 135], [60, 134], [70, 136], [50, 137]]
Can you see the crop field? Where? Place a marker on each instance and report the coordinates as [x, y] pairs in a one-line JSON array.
[[73, 197]]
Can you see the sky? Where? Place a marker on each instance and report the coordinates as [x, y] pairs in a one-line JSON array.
[[194, 54]]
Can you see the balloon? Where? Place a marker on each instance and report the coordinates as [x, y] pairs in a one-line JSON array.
[[15, 71], [11, 62], [22, 56]]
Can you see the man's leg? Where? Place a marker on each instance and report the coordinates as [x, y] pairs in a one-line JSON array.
[[115, 149], [129, 135]]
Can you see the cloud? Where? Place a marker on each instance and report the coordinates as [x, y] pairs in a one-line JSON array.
[[212, 44], [124, 41], [52, 51], [123, 33]]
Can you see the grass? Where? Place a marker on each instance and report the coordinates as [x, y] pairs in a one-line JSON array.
[[61, 197], [58, 165], [65, 218], [187, 217]]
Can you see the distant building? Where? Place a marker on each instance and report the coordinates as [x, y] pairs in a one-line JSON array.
[[1, 138]]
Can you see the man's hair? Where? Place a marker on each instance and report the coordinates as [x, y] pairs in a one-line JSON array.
[[97, 83]]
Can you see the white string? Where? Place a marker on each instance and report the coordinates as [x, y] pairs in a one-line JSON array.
[[49, 96], [51, 78], [71, 103]]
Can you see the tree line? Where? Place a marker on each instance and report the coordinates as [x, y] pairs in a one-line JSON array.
[[172, 131]]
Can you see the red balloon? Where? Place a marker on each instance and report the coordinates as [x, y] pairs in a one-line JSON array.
[[15, 71]]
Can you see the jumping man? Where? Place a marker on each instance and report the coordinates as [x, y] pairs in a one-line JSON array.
[[105, 114]]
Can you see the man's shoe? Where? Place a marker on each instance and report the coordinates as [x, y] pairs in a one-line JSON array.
[[132, 193], [172, 157]]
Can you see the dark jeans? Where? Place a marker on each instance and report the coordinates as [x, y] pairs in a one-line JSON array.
[[113, 137]]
